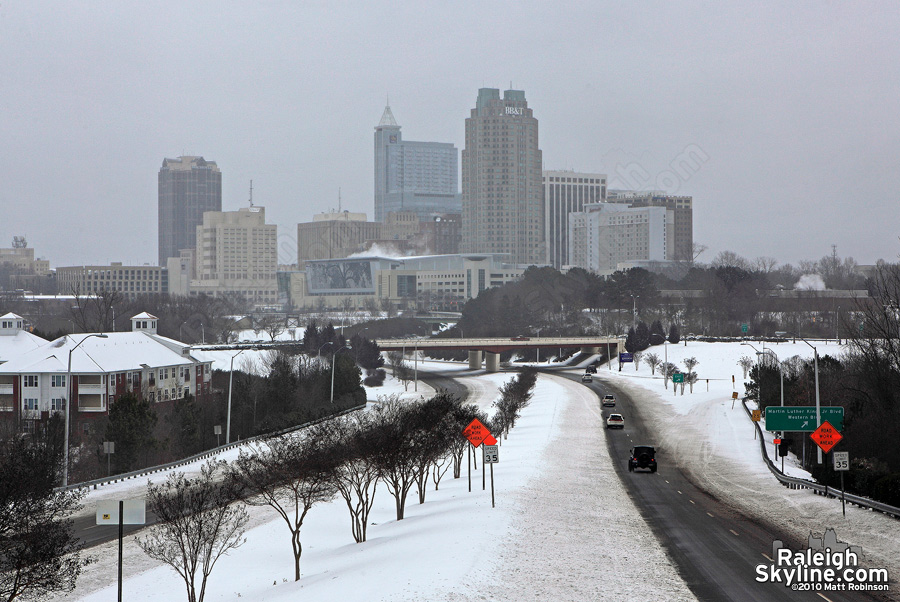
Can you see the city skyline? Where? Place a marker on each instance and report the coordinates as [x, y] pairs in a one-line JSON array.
[[790, 143]]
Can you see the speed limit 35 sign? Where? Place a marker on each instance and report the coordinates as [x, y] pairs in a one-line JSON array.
[[841, 460]]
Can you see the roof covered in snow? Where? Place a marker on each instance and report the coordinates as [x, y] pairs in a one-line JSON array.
[[115, 352]]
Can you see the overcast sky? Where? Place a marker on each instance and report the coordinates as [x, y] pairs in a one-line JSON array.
[[791, 111]]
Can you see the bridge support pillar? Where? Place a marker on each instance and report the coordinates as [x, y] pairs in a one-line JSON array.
[[491, 361], [475, 360]]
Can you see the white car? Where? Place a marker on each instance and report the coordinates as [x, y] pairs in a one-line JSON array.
[[615, 421], [587, 378], [609, 401]]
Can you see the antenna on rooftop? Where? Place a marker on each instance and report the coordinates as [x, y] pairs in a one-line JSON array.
[[339, 199], [251, 193]]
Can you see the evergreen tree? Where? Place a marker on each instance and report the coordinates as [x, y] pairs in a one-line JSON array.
[[630, 342], [674, 335], [657, 333], [130, 427], [641, 336]]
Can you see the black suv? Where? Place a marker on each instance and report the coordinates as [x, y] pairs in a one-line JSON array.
[[642, 456], [592, 369]]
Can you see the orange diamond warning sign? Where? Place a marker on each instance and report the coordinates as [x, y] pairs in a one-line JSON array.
[[826, 436], [476, 432]]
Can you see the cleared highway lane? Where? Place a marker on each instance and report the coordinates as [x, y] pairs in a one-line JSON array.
[[715, 547]]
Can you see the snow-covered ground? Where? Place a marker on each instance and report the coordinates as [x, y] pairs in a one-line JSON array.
[[542, 540], [714, 443], [547, 538]]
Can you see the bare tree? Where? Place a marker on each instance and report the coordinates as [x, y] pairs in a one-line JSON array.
[[746, 362], [690, 363], [272, 325], [291, 474], [357, 474], [396, 452], [400, 368], [637, 356], [727, 259], [652, 360], [198, 522], [765, 265]]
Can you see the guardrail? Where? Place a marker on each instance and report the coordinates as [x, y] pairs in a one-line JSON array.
[[797, 483], [201, 456]]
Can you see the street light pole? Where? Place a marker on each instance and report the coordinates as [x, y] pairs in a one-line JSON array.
[[818, 406], [634, 299], [69, 390], [333, 362], [230, 379]]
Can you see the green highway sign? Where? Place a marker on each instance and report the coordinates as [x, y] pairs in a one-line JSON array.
[[802, 418], [744, 328], [678, 378]]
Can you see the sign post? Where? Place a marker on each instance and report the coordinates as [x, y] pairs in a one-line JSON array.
[[123, 512], [476, 433], [842, 465], [755, 418], [109, 447], [491, 456]]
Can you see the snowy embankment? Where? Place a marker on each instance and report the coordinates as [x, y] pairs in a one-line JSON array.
[[563, 528], [713, 441]]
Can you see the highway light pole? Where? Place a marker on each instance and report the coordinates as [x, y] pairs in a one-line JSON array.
[[69, 390], [818, 407], [333, 362], [230, 379]]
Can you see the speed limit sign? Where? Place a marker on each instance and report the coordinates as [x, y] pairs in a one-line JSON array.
[[841, 460], [491, 454]]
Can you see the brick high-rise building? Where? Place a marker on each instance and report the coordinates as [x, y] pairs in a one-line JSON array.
[[502, 197], [188, 187]]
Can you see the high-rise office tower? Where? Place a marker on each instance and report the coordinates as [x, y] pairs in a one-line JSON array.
[[501, 179], [188, 186], [566, 192], [413, 176]]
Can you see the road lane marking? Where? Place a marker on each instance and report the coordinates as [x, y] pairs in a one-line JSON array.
[[733, 531], [766, 556], [679, 493], [824, 597], [710, 515], [667, 480], [692, 501]]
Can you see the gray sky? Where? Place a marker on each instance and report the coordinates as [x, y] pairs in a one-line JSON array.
[[792, 108]]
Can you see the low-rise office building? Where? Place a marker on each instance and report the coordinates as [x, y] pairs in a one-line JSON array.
[[433, 282], [130, 280]]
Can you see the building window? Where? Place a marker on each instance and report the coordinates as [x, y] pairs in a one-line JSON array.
[[56, 404], [58, 380], [31, 380], [30, 404]]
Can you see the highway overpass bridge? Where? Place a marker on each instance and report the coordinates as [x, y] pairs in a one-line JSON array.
[[488, 349]]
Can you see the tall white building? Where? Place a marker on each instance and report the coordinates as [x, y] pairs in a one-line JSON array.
[[236, 254], [566, 192], [607, 237]]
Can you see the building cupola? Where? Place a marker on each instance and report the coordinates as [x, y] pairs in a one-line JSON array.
[[144, 322]]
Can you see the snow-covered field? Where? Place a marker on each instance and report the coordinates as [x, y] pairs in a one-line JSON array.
[[547, 538], [715, 445]]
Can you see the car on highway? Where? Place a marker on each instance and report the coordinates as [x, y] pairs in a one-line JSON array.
[[615, 421], [642, 456], [520, 338], [609, 401], [592, 369], [587, 378]]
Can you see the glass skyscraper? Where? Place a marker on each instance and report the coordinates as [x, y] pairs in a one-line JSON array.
[[413, 176], [188, 186]]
